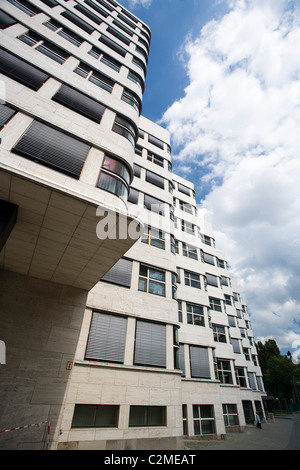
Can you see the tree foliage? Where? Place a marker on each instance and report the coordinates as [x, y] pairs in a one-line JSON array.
[[280, 374]]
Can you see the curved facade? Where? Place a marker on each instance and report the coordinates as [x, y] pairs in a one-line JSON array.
[[121, 324]]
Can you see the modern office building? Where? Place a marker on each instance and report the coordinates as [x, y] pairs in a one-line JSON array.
[[122, 326]]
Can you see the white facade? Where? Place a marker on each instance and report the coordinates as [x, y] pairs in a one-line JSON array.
[[192, 367], [162, 346]]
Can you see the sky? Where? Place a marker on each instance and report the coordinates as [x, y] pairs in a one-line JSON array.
[[224, 79]]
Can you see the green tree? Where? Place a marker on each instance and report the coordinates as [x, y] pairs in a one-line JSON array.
[[265, 352], [281, 376]]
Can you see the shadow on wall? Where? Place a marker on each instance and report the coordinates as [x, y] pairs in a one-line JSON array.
[[40, 323]]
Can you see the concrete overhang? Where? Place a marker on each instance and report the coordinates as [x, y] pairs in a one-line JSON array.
[[54, 237]]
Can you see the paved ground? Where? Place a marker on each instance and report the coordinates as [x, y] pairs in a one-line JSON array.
[[283, 434]]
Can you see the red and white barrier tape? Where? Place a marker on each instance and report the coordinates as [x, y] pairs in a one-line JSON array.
[[26, 426]]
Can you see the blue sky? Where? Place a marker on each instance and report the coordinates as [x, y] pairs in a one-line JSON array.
[[224, 79]]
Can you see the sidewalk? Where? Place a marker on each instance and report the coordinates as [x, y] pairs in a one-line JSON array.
[[283, 434]]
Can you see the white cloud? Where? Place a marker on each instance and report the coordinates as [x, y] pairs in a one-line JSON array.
[[135, 3], [239, 123]]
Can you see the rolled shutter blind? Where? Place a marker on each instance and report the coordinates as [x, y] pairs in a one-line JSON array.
[[53, 148], [79, 102], [21, 71], [120, 273], [150, 344], [199, 362], [78, 21], [212, 280], [252, 380], [107, 338], [5, 114], [236, 345]]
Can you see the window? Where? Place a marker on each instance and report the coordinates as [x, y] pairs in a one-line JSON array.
[[6, 20], [184, 420], [88, 14], [118, 35], [187, 227], [174, 286], [154, 205], [25, 6], [155, 179], [133, 196], [251, 377], [6, 112], [136, 79], [204, 421], [138, 150], [114, 177], [123, 127], [105, 59], [139, 64], [183, 189], [219, 334], [215, 304], [21, 71], [64, 32], [155, 237], [240, 377], [152, 157], [227, 299], [155, 141], [78, 21], [95, 416], [199, 362], [231, 320], [150, 344], [124, 28], [152, 280], [207, 258], [182, 360], [230, 415], [186, 207], [137, 170], [224, 371], [95, 77], [206, 239], [50, 3], [141, 52], [246, 351], [211, 280], [79, 103], [189, 251], [131, 99], [112, 45], [53, 148], [192, 279], [221, 263], [236, 345], [107, 336], [96, 8], [120, 273], [179, 303], [174, 245], [147, 416], [45, 47], [195, 314]]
